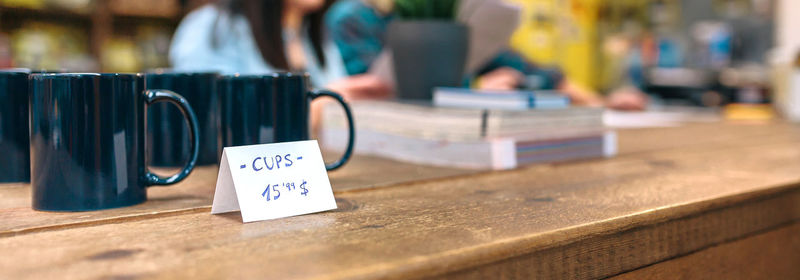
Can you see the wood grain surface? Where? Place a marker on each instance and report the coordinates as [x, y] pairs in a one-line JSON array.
[[195, 194], [770, 255], [671, 193], [362, 173]]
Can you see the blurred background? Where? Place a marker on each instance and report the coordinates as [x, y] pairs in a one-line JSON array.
[[698, 52], [89, 35]]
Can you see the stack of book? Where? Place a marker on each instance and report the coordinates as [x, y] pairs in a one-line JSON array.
[[499, 99], [470, 137]]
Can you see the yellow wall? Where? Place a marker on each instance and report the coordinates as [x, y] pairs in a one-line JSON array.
[[537, 39], [560, 33]]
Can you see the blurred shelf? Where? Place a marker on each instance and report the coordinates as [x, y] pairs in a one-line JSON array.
[[137, 16], [103, 20], [44, 14], [168, 10]]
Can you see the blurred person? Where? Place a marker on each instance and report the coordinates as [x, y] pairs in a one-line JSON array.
[[628, 54], [359, 26], [264, 36]]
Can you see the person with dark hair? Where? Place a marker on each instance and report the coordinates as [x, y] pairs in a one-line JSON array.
[[264, 36], [359, 29]]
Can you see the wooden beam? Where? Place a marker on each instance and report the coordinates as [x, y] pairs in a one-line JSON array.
[[770, 255], [581, 220]]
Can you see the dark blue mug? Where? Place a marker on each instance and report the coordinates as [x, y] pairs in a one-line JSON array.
[[14, 146], [88, 140], [258, 109], [165, 124]]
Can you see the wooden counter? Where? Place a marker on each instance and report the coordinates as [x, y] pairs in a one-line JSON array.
[[708, 201]]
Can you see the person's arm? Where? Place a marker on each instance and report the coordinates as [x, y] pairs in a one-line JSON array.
[[357, 30], [627, 98], [530, 75], [192, 47], [509, 70], [579, 95]]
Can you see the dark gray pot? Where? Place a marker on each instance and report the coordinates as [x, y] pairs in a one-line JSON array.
[[427, 54]]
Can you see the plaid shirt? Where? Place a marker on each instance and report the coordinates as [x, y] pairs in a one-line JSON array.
[[360, 33]]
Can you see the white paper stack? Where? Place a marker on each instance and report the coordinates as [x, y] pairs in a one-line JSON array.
[[471, 138]]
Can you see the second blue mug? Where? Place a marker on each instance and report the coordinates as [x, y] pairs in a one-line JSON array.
[[259, 109], [87, 137], [168, 136], [14, 147]]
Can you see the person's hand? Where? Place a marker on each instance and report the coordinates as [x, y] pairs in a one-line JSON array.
[[364, 86], [356, 87], [627, 98], [579, 95], [503, 78]]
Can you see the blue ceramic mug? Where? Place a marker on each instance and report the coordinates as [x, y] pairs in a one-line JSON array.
[[258, 109], [167, 136], [14, 147], [87, 137]]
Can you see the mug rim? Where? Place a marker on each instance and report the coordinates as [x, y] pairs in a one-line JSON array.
[[15, 71], [37, 76], [289, 74], [181, 73], [244, 76], [13, 74], [273, 75]]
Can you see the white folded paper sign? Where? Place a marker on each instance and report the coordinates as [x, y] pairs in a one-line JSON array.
[[272, 181]]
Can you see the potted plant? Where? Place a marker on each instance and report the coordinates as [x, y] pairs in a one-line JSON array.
[[429, 48]]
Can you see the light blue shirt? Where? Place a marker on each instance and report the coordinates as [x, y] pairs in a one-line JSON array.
[[209, 39]]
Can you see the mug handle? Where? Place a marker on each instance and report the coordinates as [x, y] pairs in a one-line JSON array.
[[160, 95], [350, 125]]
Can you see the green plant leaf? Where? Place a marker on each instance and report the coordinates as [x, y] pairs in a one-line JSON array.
[[426, 9]]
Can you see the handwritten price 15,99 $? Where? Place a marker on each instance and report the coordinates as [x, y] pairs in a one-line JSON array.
[[273, 191]]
